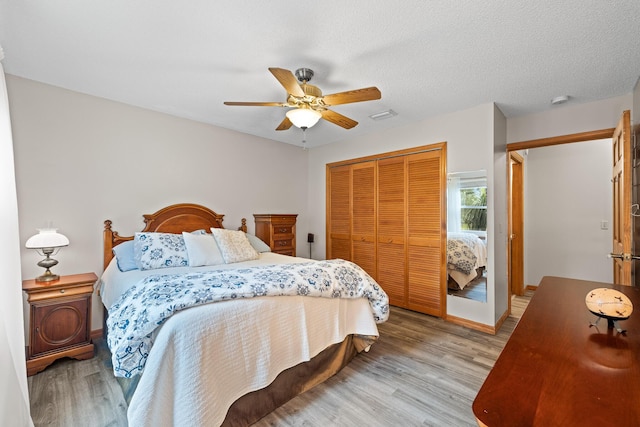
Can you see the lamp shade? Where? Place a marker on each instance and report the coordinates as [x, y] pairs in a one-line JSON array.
[[47, 238], [303, 117]]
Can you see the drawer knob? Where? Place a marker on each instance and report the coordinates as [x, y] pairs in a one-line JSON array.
[[282, 230], [62, 291]]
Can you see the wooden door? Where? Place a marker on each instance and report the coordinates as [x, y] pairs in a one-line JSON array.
[[391, 229], [339, 212], [363, 214], [621, 180], [516, 224], [426, 232]]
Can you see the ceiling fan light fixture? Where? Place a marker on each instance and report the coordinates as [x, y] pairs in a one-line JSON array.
[[303, 118]]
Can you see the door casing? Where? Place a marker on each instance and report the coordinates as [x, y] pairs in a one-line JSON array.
[[544, 142]]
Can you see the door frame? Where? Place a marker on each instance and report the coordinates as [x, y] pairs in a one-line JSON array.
[[515, 218], [537, 143]]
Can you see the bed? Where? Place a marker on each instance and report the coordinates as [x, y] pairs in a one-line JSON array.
[[227, 358], [466, 258]]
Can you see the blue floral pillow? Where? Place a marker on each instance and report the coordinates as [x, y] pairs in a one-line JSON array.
[[159, 250]]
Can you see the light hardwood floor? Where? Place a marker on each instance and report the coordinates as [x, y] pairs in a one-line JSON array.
[[423, 371]]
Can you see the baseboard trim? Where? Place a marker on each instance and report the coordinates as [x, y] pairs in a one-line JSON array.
[[488, 329], [501, 320], [531, 287], [97, 333]]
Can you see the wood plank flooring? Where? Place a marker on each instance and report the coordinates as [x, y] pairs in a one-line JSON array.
[[423, 371]]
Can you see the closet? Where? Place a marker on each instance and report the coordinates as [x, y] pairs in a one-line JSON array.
[[387, 213]]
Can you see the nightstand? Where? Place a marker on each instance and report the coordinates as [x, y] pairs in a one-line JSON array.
[[59, 320], [277, 231]]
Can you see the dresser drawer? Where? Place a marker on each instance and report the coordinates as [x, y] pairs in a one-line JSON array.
[[282, 244], [282, 230], [283, 220], [285, 252]]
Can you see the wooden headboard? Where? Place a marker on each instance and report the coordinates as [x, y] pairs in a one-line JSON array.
[[172, 219]]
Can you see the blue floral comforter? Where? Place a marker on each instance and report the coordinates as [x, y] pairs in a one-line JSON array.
[[460, 256], [148, 304]]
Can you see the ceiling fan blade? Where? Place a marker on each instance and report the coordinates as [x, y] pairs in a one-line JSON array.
[[288, 81], [338, 119], [358, 95], [285, 124], [256, 104]]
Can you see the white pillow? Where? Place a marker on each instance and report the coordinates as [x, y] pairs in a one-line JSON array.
[[258, 244], [234, 245], [202, 249]]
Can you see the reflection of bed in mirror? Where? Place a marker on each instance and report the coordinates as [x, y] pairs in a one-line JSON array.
[[467, 234], [466, 258]]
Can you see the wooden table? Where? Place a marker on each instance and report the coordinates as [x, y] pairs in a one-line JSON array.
[[555, 370]]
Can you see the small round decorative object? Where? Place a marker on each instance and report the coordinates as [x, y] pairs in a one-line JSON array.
[[609, 303]]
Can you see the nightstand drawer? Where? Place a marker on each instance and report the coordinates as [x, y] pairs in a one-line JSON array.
[[60, 293]]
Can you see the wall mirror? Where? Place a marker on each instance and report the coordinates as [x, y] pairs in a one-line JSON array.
[[467, 235]]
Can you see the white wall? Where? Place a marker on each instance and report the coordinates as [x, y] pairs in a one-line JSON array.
[[80, 160], [567, 195], [470, 139], [14, 395]]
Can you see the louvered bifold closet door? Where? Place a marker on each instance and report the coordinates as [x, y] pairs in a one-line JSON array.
[[391, 229], [339, 221], [363, 227], [426, 230]]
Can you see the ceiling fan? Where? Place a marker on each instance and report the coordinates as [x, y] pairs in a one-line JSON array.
[[307, 103]]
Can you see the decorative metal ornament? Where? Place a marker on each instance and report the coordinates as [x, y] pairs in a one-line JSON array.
[[609, 304]]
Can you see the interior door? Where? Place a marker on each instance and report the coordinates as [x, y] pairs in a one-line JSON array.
[[426, 232], [363, 229], [392, 217], [339, 213], [516, 224], [621, 181]]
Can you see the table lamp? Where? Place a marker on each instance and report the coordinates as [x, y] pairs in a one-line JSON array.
[[47, 242]]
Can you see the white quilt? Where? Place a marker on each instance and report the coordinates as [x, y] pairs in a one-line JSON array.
[[206, 357]]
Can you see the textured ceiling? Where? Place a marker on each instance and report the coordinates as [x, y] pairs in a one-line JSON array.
[[427, 57]]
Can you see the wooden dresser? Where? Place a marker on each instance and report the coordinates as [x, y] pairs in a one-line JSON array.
[[278, 231], [556, 370], [60, 319]]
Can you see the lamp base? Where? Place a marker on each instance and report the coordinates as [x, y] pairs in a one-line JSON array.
[[48, 276]]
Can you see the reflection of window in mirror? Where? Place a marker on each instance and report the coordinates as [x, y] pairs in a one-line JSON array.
[[467, 235]]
